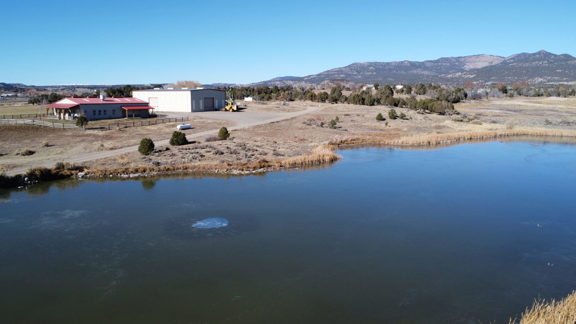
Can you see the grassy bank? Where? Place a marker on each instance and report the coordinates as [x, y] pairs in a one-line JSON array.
[[454, 138], [36, 175], [326, 154], [322, 155], [555, 311]]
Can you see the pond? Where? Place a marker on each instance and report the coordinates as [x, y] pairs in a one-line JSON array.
[[459, 234]]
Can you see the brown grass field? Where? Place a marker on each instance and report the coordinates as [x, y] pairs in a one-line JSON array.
[[20, 108]]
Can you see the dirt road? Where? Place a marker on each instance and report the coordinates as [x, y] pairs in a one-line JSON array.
[[241, 120]]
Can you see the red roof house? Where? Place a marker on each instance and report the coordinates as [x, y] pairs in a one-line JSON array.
[[100, 108]]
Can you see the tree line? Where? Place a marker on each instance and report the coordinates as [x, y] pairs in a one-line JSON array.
[[45, 98], [442, 102], [116, 92]]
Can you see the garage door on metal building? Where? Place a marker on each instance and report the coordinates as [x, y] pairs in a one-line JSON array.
[[208, 103]]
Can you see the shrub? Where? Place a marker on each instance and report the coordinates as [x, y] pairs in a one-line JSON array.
[[321, 124], [178, 138], [6, 181], [39, 174], [66, 166], [27, 152], [392, 114], [333, 123], [403, 116], [82, 121], [223, 134], [146, 146], [59, 166], [379, 117]]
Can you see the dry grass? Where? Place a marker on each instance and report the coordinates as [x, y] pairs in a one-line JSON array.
[[447, 139], [35, 175], [21, 108], [322, 155], [557, 312]]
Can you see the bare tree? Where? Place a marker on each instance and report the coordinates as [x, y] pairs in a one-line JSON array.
[[185, 84]]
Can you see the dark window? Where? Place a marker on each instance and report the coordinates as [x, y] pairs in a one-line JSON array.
[[113, 112], [99, 112], [94, 112], [105, 112]]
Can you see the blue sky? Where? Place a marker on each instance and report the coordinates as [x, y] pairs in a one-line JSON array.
[[121, 42]]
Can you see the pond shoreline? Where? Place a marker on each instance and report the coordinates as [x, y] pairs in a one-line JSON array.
[[323, 155]]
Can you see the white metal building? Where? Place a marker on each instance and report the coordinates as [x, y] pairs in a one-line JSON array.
[[182, 100]]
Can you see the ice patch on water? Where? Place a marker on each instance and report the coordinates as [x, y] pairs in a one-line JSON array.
[[71, 213], [63, 220], [213, 222]]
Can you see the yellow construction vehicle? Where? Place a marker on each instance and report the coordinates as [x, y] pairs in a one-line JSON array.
[[230, 104]]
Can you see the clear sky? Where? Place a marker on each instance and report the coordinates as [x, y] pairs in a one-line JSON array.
[[124, 41]]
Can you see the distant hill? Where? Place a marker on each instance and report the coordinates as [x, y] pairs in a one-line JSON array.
[[535, 68], [11, 86], [539, 67], [78, 89]]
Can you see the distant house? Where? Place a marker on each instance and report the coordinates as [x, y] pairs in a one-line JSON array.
[[248, 99], [99, 108], [183, 100], [399, 87], [368, 87]]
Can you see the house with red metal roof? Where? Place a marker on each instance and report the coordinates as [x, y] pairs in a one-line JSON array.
[[100, 108]]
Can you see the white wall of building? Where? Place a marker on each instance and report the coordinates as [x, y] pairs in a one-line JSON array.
[[181, 100], [170, 101]]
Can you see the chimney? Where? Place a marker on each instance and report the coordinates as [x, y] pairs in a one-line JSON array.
[[102, 96]]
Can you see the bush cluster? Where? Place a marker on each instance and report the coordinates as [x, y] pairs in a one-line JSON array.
[[223, 134], [146, 146], [81, 121], [178, 138]]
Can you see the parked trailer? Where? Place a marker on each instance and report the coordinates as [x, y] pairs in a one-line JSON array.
[[183, 126]]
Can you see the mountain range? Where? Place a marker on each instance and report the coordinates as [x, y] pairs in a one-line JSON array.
[[534, 68]]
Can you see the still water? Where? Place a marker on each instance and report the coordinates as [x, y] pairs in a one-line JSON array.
[[460, 234]]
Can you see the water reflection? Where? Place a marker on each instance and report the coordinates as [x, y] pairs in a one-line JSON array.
[[148, 183]]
